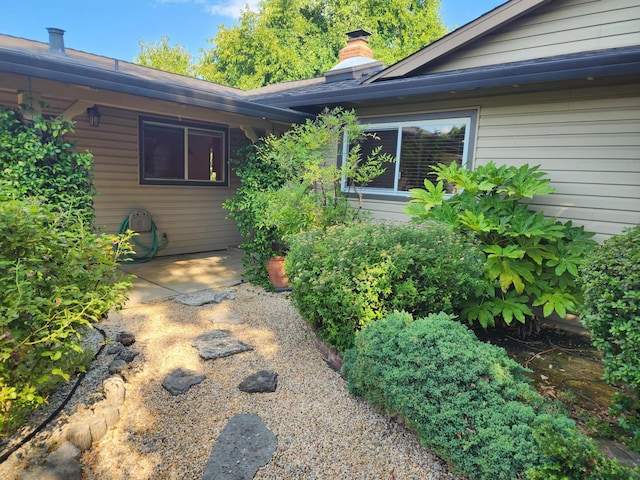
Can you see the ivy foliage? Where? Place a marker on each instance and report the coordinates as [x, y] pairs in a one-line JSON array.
[[611, 280], [532, 261], [37, 160], [293, 183], [469, 402], [348, 276]]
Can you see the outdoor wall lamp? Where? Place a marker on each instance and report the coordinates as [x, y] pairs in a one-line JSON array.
[[94, 116]]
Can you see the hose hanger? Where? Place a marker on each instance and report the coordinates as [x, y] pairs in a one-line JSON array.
[[140, 221]]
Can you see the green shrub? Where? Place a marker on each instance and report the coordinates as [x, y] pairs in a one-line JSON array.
[[246, 206], [531, 260], [36, 160], [292, 183], [347, 276], [611, 282], [56, 277], [466, 400], [568, 455]]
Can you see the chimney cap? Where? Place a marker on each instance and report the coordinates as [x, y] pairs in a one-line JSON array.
[[358, 34]]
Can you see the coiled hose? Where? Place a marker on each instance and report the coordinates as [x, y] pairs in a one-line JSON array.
[[144, 253]]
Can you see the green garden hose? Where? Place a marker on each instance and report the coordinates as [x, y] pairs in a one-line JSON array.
[[144, 252]]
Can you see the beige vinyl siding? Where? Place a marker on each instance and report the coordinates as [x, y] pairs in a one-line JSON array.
[[191, 216], [558, 28], [587, 140]]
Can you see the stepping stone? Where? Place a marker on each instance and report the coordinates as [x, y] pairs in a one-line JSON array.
[[218, 344], [205, 296], [260, 382], [244, 445], [181, 379]]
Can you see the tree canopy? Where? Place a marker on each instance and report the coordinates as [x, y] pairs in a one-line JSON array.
[[296, 39], [163, 56]]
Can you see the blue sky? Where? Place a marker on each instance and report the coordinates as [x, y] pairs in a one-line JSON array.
[[113, 28]]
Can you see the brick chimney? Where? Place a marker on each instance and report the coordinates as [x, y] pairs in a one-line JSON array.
[[357, 45]]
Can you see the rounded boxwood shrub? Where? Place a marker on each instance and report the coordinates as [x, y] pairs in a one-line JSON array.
[[469, 402], [611, 281], [348, 276]]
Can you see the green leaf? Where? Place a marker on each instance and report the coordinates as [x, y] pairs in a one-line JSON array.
[[512, 306], [60, 373], [483, 313]]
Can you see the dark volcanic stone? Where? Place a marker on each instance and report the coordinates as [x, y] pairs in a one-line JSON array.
[[260, 382], [244, 445], [126, 338], [181, 379]]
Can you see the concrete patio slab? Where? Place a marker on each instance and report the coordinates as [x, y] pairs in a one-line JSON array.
[[165, 277]]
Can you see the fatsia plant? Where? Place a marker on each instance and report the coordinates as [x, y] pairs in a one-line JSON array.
[[531, 260]]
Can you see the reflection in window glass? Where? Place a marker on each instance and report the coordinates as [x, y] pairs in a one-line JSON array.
[[163, 152], [425, 146], [206, 161], [417, 146], [182, 153]]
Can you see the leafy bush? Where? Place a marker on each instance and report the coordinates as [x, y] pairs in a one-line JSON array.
[[467, 401], [36, 160], [566, 454], [246, 206], [611, 282], [56, 277], [531, 260], [347, 276], [292, 183]]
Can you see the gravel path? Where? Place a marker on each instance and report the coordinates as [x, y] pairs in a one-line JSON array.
[[322, 432]]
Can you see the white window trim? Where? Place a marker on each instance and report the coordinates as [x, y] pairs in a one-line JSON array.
[[431, 119]]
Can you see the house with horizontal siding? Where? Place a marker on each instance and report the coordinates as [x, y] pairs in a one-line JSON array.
[[554, 83], [163, 141]]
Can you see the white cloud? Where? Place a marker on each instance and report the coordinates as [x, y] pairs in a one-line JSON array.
[[228, 8], [231, 8]]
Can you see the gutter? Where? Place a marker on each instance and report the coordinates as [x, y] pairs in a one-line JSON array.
[[83, 75], [603, 63]]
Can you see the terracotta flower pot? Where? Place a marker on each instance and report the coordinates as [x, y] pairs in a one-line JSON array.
[[277, 277]]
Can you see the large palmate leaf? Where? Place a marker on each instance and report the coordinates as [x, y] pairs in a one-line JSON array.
[[512, 306], [482, 312], [425, 199], [556, 301], [526, 182], [506, 265]]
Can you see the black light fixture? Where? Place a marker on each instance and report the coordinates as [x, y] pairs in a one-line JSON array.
[[94, 116]]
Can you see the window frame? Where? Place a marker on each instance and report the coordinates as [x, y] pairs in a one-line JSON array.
[[398, 122], [186, 126]]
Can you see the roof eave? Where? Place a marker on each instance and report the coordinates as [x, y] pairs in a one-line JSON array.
[[50, 69], [596, 65]]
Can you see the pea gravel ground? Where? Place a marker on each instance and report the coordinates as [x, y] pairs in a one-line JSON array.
[[322, 431]]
